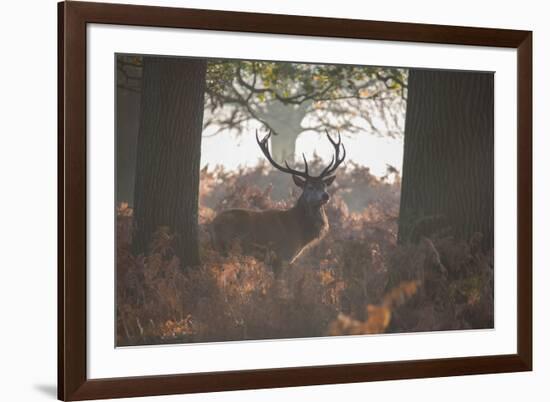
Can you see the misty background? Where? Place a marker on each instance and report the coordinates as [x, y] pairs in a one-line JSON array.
[[366, 105]]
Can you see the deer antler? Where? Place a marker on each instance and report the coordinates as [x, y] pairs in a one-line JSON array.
[[336, 159], [263, 143], [327, 171]]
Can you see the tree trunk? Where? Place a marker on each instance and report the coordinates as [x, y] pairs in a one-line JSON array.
[[448, 157], [283, 145], [127, 127], [168, 154], [286, 122]]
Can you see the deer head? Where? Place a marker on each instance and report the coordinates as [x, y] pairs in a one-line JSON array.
[[314, 194]]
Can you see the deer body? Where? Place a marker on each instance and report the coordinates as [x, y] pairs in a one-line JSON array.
[[285, 233]]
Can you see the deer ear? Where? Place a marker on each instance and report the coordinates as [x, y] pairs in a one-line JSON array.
[[298, 181], [328, 181]]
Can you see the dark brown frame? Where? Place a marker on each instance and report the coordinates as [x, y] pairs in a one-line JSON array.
[[73, 383]]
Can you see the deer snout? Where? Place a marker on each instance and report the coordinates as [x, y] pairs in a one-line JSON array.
[[325, 197]]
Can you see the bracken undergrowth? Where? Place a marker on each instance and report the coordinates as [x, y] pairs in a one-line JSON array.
[[356, 280]]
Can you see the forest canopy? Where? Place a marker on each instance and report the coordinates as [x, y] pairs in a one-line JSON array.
[[289, 98]]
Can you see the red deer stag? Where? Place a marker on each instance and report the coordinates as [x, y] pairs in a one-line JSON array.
[[285, 233]]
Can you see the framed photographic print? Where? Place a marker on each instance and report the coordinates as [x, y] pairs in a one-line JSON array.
[[253, 200]]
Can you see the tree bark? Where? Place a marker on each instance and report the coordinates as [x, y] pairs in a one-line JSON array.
[[127, 127], [286, 121], [168, 154], [448, 157], [283, 145]]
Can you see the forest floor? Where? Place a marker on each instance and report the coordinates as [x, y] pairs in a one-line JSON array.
[[357, 280]]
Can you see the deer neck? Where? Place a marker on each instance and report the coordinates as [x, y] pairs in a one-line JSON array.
[[314, 219]]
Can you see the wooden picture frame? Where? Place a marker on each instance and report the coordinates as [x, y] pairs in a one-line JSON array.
[[73, 382]]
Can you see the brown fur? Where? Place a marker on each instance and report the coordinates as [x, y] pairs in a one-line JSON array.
[[286, 233]]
